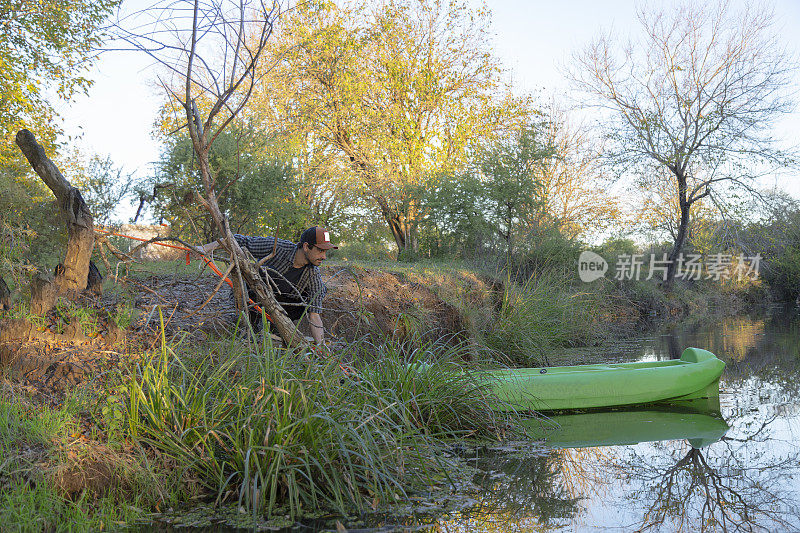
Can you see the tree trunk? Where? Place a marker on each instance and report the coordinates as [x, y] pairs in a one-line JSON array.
[[80, 226], [94, 281], [5, 296], [680, 238], [412, 230], [395, 224], [508, 234], [43, 294]]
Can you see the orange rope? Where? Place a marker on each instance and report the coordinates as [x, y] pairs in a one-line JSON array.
[[143, 240]]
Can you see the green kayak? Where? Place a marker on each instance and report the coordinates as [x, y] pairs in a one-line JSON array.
[[694, 375]]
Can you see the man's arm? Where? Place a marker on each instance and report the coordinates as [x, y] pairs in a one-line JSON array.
[[317, 331]]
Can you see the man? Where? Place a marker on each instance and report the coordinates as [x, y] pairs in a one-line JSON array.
[[294, 270]]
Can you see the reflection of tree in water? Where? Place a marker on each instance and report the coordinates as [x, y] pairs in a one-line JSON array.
[[544, 487], [694, 494], [764, 348], [743, 486]]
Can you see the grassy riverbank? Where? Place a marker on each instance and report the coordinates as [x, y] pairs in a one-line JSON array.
[[265, 428], [526, 318], [244, 425], [45, 455]]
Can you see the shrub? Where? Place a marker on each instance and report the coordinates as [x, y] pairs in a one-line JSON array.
[[783, 274], [549, 252], [365, 251]]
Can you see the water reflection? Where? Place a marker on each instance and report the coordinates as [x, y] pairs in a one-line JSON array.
[[691, 488], [529, 481], [698, 424], [665, 470]]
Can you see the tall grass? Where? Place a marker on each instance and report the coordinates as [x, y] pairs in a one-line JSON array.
[[19, 423], [266, 429], [38, 507], [439, 396], [541, 315]]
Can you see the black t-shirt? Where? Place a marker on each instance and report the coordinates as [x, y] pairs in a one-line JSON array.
[[292, 276]]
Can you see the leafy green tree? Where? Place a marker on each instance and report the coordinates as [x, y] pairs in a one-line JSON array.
[[15, 241], [29, 223], [44, 44], [456, 222], [496, 204], [511, 170], [258, 186], [398, 92], [777, 238], [45, 49], [104, 186]]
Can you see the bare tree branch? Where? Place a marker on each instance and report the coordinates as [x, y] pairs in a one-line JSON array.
[[213, 49]]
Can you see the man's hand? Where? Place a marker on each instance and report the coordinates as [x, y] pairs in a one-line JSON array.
[[205, 249]]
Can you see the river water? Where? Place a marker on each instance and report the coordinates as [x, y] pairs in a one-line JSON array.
[[676, 469]]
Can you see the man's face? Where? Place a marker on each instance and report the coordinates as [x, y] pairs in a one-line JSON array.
[[314, 254]]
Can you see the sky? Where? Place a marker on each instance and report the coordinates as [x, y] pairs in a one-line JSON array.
[[532, 38]]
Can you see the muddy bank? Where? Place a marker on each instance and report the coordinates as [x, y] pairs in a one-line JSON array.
[[359, 302], [65, 347]]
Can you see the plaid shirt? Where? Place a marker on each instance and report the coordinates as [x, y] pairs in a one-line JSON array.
[[309, 285]]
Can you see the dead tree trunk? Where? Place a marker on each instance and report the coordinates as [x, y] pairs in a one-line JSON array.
[[80, 225], [5, 296]]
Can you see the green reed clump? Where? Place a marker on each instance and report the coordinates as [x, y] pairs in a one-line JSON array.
[[539, 316], [266, 429], [439, 396]]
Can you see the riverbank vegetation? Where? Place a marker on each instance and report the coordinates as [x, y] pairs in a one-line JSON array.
[[267, 429], [245, 425]]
